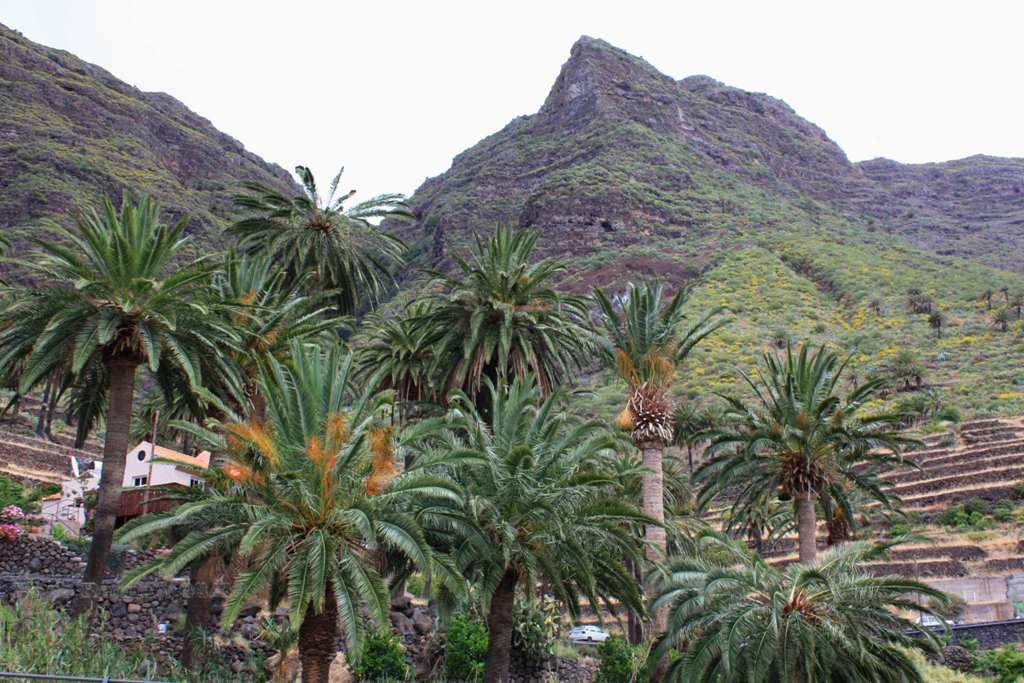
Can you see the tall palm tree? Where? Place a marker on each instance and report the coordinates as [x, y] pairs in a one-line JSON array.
[[647, 344], [111, 298], [348, 254], [802, 439], [539, 504], [737, 618], [300, 498], [500, 318]]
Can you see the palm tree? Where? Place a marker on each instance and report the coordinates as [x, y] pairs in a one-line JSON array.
[[803, 440], [646, 343], [936, 319], [1001, 318], [350, 256], [501, 319], [392, 354], [301, 498], [737, 618], [113, 299], [540, 504]]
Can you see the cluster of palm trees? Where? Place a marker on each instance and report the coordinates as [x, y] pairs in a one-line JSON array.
[[357, 445]]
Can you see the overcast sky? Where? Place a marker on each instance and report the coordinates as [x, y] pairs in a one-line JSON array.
[[394, 90]]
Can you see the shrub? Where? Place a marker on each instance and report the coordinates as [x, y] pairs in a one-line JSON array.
[[619, 661], [949, 414], [1018, 491], [1004, 512], [383, 659], [971, 515], [1005, 663], [465, 649], [535, 628], [416, 585], [12, 493]]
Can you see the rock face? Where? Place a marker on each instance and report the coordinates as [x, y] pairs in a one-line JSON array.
[[70, 131], [621, 155]]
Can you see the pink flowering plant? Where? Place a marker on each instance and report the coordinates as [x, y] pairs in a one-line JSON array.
[[9, 532], [12, 512]]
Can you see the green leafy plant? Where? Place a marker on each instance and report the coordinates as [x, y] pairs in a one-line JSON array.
[[949, 414], [465, 649], [1005, 663], [535, 628], [620, 661], [383, 659]]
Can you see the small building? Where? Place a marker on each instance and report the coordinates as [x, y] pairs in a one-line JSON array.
[[148, 469]]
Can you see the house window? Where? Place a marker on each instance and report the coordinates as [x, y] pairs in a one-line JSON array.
[[198, 483], [141, 455], [140, 481]]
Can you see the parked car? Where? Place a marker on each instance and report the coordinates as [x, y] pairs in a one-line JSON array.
[[588, 634]]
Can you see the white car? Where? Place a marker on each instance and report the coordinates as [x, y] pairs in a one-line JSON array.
[[931, 621], [588, 634]]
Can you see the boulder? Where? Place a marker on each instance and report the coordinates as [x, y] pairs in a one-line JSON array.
[[402, 623], [402, 603], [422, 621]]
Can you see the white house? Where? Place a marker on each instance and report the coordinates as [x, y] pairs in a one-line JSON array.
[[143, 466]]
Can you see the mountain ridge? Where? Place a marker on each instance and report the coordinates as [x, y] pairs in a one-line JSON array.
[[751, 136], [71, 131]]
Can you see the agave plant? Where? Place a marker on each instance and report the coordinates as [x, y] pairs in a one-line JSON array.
[[348, 254], [736, 618], [309, 498]]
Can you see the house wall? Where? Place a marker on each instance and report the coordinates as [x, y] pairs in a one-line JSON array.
[[163, 473]]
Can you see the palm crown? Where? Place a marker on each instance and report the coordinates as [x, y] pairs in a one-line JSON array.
[[644, 340], [349, 255], [501, 318], [740, 619]]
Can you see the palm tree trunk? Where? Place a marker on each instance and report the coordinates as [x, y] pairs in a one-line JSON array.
[[499, 629], [115, 446], [653, 487], [807, 521], [202, 577], [43, 407], [318, 641]]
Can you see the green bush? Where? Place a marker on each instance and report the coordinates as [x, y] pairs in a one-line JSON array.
[[1004, 512], [12, 493], [1018, 491], [465, 649], [535, 628], [417, 586], [949, 414], [383, 659], [619, 661], [1005, 663], [972, 515]]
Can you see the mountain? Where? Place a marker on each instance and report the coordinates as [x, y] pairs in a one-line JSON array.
[[70, 131], [632, 174]]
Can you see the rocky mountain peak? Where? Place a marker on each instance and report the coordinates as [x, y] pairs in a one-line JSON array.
[[599, 78]]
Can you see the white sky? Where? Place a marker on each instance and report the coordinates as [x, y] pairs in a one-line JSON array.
[[394, 90]]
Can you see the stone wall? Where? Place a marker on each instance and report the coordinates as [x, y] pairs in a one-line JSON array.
[[995, 634]]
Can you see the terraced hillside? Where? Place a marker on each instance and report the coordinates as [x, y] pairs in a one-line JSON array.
[[965, 500], [33, 460]]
